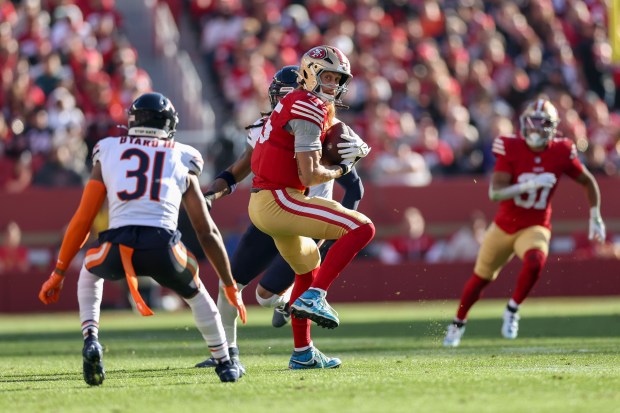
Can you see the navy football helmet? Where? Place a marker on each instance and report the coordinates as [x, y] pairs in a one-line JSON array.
[[283, 82], [152, 114]]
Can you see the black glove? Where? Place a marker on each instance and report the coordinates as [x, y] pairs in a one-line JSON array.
[[209, 198], [347, 165]]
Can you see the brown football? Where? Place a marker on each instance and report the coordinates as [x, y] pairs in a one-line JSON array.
[[330, 154]]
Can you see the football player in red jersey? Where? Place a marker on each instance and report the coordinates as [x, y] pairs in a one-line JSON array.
[[256, 253], [524, 180], [285, 161]]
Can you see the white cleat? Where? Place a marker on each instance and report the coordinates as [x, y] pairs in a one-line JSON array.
[[453, 335], [510, 328]]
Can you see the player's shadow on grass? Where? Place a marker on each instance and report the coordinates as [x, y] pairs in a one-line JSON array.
[[151, 374], [144, 342]]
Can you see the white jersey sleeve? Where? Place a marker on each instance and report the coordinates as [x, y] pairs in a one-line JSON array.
[[145, 179], [254, 131]]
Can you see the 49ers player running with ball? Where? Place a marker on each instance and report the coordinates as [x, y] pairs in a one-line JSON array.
[[285, 161], [524, 180]]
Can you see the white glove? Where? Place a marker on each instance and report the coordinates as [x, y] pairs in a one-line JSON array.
[[355, 147], [597, 226], [545, 180]]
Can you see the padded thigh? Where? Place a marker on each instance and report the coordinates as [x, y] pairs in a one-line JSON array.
[[293, 220], [496, 250], [532, 238], [498, 247], [255, 252], [160, 264]]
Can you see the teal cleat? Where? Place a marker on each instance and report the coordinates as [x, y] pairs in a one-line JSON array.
[[312, 358], [312, 304]]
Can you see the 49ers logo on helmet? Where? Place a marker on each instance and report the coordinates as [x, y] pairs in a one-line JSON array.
[[317, 53]]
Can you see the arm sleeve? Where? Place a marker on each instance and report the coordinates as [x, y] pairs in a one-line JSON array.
[[307, 135], [79, 227], [353, 189]]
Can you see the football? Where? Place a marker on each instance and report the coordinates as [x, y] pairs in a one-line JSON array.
[[330, 155]]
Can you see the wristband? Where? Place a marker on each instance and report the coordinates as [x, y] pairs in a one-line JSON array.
[[229, 178]]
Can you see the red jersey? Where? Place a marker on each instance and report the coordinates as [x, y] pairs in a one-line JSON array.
[[517, 159], [273, 159]]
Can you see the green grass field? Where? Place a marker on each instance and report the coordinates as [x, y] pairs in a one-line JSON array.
[[566, 359]]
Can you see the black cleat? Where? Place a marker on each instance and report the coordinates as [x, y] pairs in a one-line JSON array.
[[229, 371], [281, 316], [92, 358]]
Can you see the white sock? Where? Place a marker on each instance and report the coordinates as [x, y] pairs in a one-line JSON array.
[[228, 314], [90, 293], [209, 323], [275, 300], [304, 348]]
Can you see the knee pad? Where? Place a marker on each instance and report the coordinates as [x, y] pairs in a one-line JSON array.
[[534, 260]]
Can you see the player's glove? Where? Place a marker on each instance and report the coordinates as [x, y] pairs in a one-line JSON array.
[[233, 295], [597, 226], [50, 290], [354, 148], [209, 198], [545, 180]]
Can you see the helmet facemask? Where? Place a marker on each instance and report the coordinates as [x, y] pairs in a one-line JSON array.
[[325, 59], [538, 123]]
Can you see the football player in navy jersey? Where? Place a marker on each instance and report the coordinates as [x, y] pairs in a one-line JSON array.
[[145, 177], [256, 252]]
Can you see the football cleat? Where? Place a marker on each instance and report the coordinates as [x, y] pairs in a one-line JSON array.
[[510, 327], [233, 352], [312, 358], [229, 371], [92, 361], [453, 335], [281, 316], [312, 304]]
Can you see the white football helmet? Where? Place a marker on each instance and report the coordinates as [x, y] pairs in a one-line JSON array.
[[320, 59], [539, 122]]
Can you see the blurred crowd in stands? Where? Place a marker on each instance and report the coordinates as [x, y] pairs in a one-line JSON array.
[[67, 75], [434, 80]]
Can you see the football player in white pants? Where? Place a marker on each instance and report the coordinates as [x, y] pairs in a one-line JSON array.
[[145, 176]]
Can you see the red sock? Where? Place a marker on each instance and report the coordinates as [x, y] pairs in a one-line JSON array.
[[472, 291], [533, 263], [342, 253], [301, 326]]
